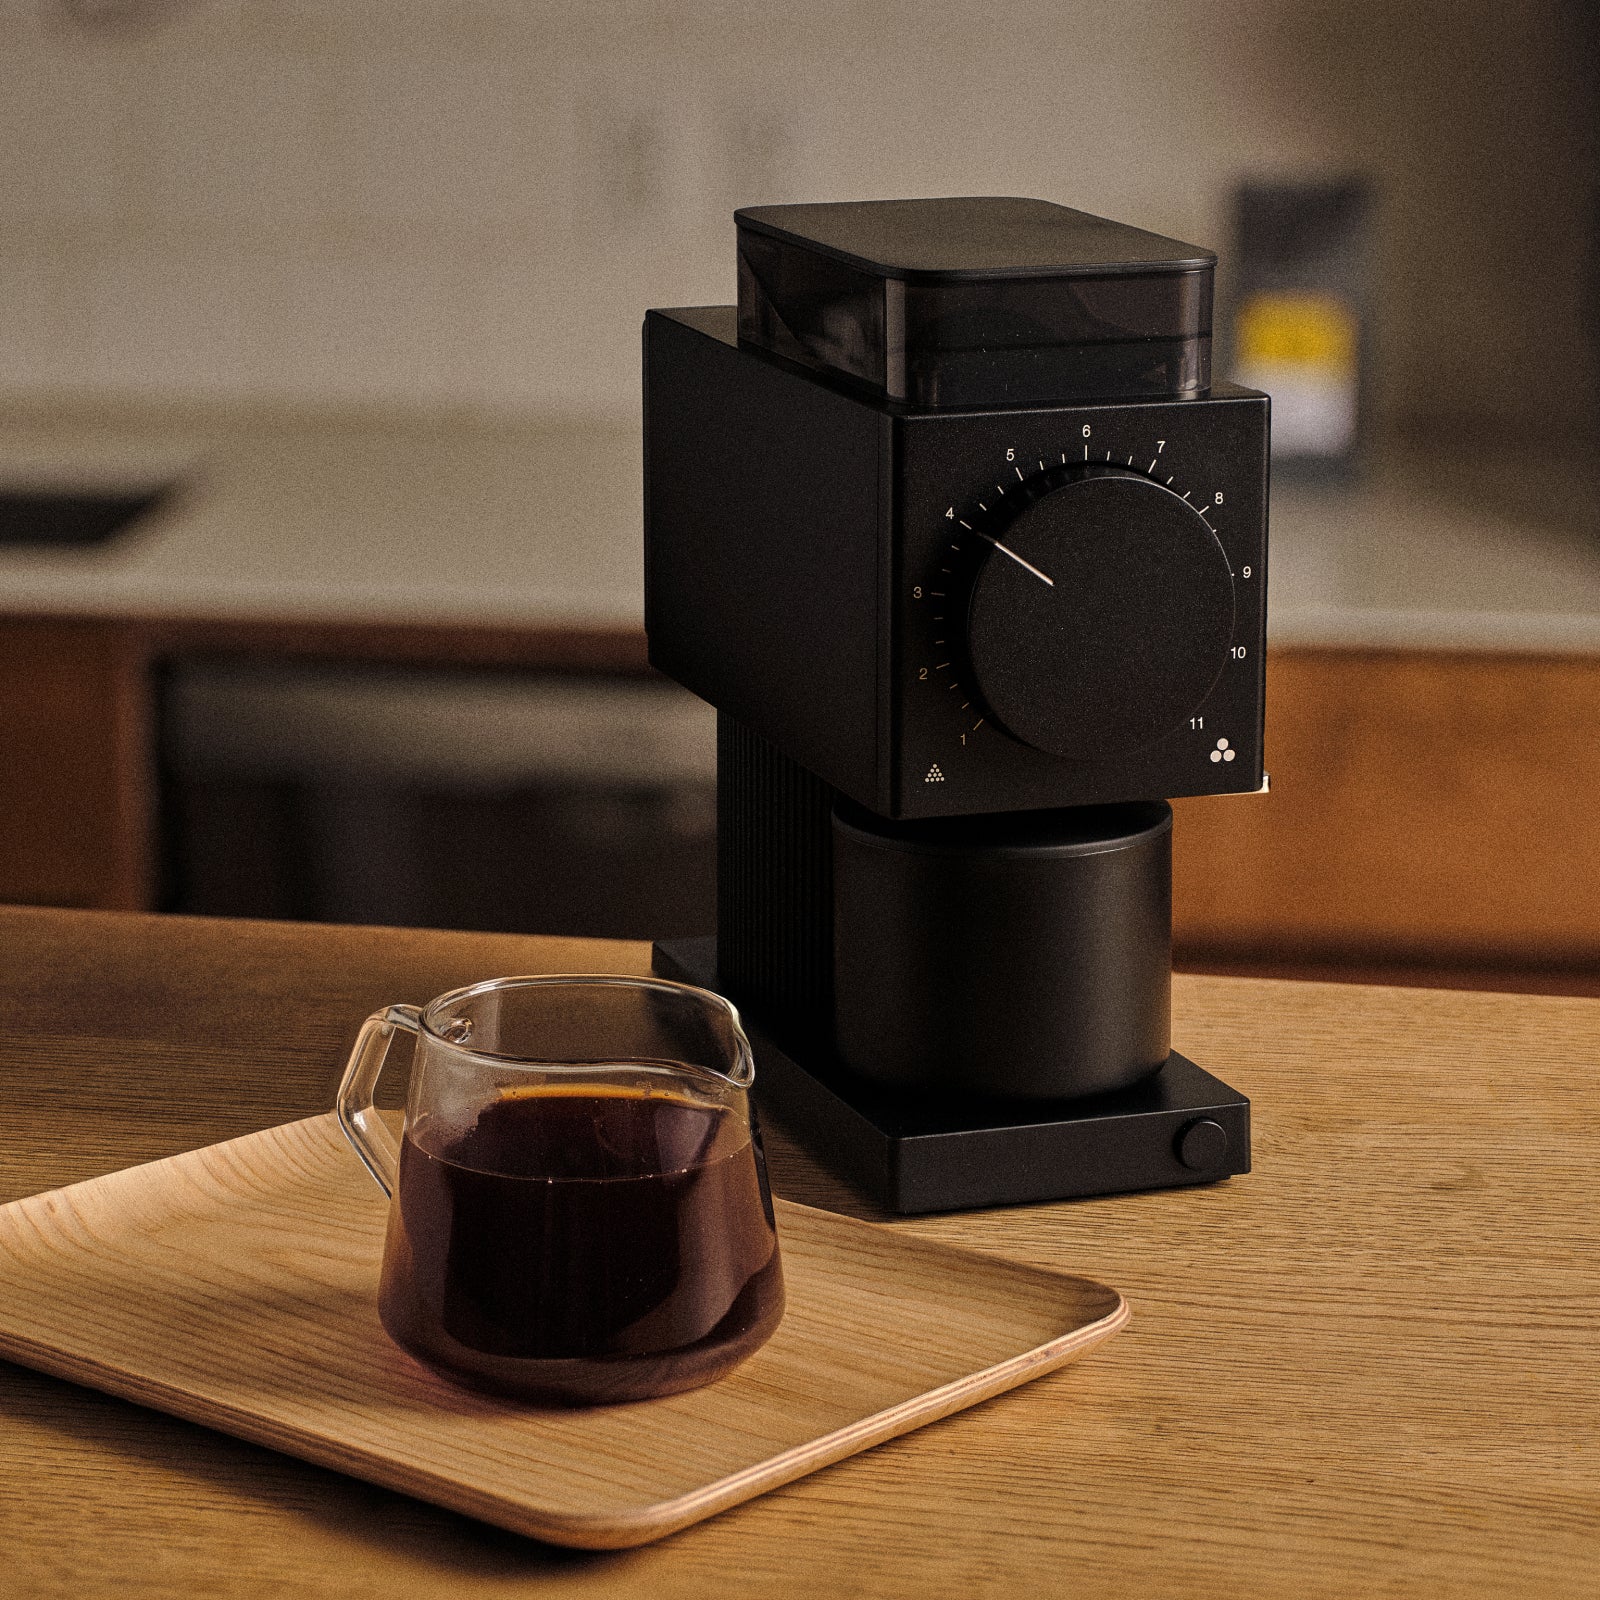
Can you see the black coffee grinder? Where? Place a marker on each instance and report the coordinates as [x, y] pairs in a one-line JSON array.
[[949, 523]]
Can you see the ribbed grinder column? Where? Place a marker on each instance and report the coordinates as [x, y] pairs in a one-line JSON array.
[[774, 881]]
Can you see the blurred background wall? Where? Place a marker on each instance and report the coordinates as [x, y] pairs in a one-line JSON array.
[[468, 203], [361, 283]]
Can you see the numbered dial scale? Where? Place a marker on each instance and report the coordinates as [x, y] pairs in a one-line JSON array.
[[1093, 613]]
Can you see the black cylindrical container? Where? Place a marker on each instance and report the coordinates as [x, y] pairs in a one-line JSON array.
[[1025, 955]]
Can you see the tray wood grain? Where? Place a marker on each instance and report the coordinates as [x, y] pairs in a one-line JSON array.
[[235, 1286]]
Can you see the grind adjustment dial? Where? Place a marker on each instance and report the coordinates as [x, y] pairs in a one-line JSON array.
[[1101, 616]]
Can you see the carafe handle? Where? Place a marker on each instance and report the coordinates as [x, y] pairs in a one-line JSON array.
[[366, 1130]]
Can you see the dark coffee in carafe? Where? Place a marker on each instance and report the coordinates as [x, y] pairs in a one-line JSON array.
[[583, 1244]]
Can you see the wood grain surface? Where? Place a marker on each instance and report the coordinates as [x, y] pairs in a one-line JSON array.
[[77, 807], [1367, 1368], [1426, 805], [237, 1286]]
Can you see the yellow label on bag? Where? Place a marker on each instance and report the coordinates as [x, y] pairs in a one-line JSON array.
[[1296, 330]]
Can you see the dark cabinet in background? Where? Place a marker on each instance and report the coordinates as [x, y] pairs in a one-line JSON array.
[[1430, 814]]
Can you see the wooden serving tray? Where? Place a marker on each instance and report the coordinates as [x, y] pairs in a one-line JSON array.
[[236, 1286]]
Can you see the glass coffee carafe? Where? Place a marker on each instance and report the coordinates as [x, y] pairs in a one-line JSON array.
[[579, 1209]]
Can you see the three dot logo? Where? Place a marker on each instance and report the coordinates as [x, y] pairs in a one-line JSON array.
[[1223, 752], [934, 774]]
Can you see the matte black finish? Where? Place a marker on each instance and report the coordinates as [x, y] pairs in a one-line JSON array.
[[763, 547], [1102, 618], [972, 238], [1025, 956], [915, 1151], [976, 301], [1208, 449], [774, 877], [1203, 1145], [802, 544], [947, 525]]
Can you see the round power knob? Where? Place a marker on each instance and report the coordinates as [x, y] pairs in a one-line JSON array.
[[1102, 617], [1202, 1145]]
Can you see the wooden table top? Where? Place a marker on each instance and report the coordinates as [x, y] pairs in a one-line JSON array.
[[1366, 1368]]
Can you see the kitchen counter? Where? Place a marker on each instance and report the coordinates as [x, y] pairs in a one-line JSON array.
[[1364, 1368], [1485, 551], [536, 523], [377, 520]]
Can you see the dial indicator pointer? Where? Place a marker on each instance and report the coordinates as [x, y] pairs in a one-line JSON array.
[[1006, 550]]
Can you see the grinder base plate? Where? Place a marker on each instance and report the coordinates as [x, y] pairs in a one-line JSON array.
[[917, 1151]]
